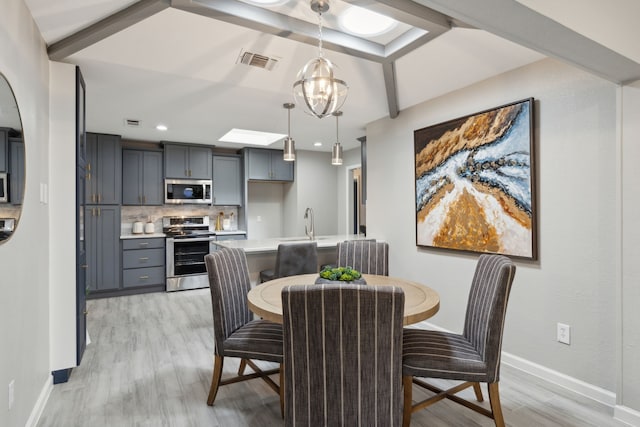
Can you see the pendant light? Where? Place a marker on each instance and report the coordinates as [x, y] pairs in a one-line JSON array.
[[336, 151], [289, 154], [316, 86]]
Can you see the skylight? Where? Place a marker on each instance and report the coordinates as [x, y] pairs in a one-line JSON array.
[[251, 137], [362, 22]]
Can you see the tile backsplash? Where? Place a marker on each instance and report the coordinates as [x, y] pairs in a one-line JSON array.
[[131, 214]]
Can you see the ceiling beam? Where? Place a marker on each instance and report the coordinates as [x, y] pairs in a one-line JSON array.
[[389, 73], [515, 22], [105, 28], [270, 22]]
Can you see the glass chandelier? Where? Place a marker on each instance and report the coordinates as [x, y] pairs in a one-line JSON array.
[[289, 154], [336, 151], [316, 86]]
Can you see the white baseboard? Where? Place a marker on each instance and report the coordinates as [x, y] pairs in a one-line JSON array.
[[575, 385], [627, 415], [38, 408]]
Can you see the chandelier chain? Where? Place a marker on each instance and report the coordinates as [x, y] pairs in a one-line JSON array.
[[320, 34]]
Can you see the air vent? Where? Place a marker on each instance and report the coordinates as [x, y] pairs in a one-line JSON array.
[[257, 60], [132, 123]]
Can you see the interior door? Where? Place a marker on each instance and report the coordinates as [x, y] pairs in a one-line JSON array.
[[81, 252]]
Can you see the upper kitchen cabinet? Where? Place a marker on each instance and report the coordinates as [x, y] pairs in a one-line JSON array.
[[267, 165], [187, 161], [104, 169], [142, 177], [227, 188], [16, 167]]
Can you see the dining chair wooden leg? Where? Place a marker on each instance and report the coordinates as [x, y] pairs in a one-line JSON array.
[[496, 408], [243, 365], [215, 380], [282, 390], [478, 392], [407, 383]]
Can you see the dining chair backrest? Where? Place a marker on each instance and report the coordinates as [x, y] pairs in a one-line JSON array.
[[366, 256], [229, 284], [342, 355], [295, 258], [487, 307]]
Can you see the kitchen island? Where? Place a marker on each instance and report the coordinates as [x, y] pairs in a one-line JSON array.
[[261, 253]]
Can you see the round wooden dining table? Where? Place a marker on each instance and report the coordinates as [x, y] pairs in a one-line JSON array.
[[420, 301]]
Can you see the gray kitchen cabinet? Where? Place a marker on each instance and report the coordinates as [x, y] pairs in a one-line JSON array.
[[267, 165], [187, 161], [227, 182], [16, 168], [104, 169], [4, 149], [102, 238], [143, 263], [141, 177]]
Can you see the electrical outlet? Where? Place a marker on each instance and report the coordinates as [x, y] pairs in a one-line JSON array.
[[564, 333], [11, 386]]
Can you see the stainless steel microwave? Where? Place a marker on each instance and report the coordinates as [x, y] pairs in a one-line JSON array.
[[4, 188], [187, 191]]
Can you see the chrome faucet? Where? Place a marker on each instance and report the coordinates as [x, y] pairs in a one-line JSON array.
[[308, 227]]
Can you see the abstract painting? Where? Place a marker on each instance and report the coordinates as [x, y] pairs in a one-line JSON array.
[[475, 182]]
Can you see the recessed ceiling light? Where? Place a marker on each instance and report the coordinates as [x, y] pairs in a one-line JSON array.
[[251, 137], [317, 144], [162, 127], [363, 22]]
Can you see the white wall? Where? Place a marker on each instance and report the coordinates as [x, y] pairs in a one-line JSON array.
[[264, 209], [24, 305], [573, 281], [629, 346], [315, 187], [62, 201]]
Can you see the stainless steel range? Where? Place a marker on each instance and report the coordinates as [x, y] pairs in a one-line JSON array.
[[189, 239]]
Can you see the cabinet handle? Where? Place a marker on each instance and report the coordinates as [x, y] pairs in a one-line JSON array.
[[93, 198], [146, 258], [99, 211], [88, 176], [89, 167], [99, 197], [85, 312], [144, 277], [84, 266], [144, 244]]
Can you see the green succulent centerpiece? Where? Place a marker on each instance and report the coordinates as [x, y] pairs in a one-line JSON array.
[[340, 274]]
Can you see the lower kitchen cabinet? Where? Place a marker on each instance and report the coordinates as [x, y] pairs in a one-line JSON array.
[[102, 240], [143, 263]]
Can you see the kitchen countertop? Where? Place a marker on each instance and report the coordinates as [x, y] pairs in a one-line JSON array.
[[142, 236], [271, 245], [162, 235]]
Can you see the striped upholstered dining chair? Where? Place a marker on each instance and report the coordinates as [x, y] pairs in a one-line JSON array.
[[342, 355], [366, 256], [237, 333], [472, 357]]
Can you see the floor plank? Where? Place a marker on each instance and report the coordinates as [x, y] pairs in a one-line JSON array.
[[150, 363]]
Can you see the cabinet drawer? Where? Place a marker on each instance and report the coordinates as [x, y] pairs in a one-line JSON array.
[[143, 258], [142, 243], [143, 276]]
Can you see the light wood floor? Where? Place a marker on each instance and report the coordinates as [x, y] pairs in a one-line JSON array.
[[150, 363]]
